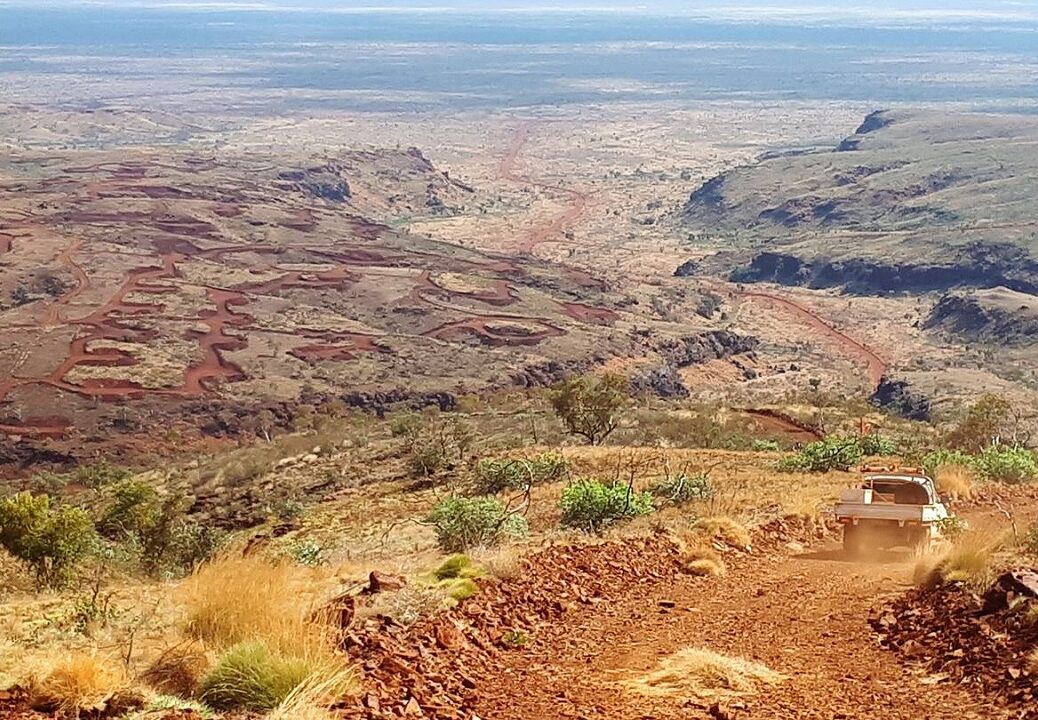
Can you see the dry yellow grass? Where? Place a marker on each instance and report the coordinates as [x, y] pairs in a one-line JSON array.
[[970, 559], [80, 682], [956, 481], [178, 670], [725, 530], [1032, 662], [704, 674], [236, 599], [313, 699], [697, 558]]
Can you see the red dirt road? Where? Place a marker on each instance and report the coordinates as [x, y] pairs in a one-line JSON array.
[[804, 617], [547, 231], [877, 367]]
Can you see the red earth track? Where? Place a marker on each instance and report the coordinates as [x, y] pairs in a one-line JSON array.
[[877, 367], [577, 200]]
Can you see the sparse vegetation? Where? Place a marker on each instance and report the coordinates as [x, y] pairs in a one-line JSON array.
[[590, 405], [463, 523], [590, 505]]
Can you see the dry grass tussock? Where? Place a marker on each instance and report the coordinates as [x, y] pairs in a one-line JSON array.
[[312, 700], [724, 530], [264, 617], [704, 674], [955, 481], [79, 682], [698, 558], [970, 559], [179, 670], [238, 599]]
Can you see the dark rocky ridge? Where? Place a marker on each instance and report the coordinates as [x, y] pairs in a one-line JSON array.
[[977, 318], [975, 265], [898, 397]]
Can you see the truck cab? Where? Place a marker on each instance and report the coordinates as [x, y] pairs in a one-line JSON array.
[[893, 507]]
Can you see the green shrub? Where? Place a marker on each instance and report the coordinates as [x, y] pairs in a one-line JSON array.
[[495, 476], [877, 445], [833, 453], [760, 445], [168, 543], [1001, 463], [463, 523], [307, 552], [51, 540], [249, 676], [937, 458], [682, 489], [100, 474], [591, 505], [952, 527]]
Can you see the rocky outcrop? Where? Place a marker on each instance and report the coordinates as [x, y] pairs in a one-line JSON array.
[[975, 265], [706, 346], [661, 381], [997, 316], [898, 397], [873, 121], [325, 182]]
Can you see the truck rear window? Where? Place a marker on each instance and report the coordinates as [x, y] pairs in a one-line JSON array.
[[900, 493]]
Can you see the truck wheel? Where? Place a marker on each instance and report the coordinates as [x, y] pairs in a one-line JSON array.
[[852, 541]]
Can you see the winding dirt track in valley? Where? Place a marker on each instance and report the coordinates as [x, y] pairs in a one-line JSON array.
[[559, 223], [877, 367]]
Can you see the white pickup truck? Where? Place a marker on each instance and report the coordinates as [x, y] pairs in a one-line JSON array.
[[893, 507]]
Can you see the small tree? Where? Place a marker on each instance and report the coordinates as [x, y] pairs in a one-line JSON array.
[[50, 540], [590, 405], [990, 420], [591, 504], [463, 523]]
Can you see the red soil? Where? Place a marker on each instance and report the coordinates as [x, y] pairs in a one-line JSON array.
[[778, 423], [590, 314]]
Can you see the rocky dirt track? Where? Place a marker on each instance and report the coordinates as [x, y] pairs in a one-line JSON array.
[[599, 617]]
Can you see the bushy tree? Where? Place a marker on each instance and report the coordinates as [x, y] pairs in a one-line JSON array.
[[590, 405], [51, 540], [832, 453], [463, 523], [497, 475], [990, 420], [590, 505], [1002, 463]]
